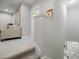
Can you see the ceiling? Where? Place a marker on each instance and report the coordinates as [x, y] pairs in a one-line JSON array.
[[71, 3], [11, 5]]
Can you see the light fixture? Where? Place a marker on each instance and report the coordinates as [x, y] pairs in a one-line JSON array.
[[72, 1]]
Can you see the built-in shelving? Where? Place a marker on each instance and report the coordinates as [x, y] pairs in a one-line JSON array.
[[44, 15]]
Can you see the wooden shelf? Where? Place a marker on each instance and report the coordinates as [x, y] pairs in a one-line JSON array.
[[44, 15]]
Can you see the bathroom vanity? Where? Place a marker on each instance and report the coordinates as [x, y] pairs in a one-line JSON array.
[[71, 50], [11, 33]]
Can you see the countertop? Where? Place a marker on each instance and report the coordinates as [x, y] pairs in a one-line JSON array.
[[11, 48]]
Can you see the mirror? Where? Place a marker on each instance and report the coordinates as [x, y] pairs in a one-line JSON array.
[[71, 47], [10, 25], [17, 18]]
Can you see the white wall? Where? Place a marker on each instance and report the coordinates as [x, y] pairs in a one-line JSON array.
[[73, 24], [60, 28], [50, 34], [5, 19], [25, 19]]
